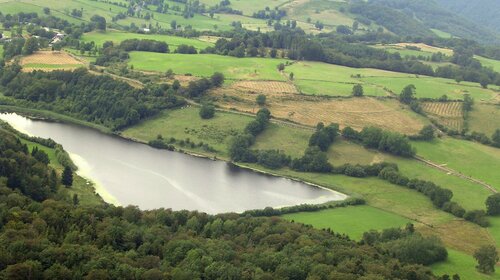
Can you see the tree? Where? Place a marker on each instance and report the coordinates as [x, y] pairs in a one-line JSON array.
[[343, 29], [291, 76], [357, 90], [281, 67], [495, 138], [407, 94], [468, 102], [173, 24], [486, 257], [427, 133], [30, 46], [217, 79], [493, 204], [67, 177], [261, 99], [46, 11], [207, 111], [273, 53], [355, 26], [99, 21]]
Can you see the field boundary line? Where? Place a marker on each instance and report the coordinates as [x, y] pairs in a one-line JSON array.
[[455, 173]]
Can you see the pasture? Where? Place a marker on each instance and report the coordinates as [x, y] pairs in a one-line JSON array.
[[469, 158], [484, 118], [186, 123], [329, 79], [204, 65], [293, 141], [488, 62], [116, 37], [462, 264], [352, 220], [406, 203]]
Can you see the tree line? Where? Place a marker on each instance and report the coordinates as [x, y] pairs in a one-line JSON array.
[[95, 98]]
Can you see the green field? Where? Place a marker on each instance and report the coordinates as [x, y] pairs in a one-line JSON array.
[[295, 140], [186, 123], [462, 264], [484, 118], [488, 62], [248, 7], [117, 36], [108, 10], [329, 79], [352, 220], [204, 65], [470, 158]]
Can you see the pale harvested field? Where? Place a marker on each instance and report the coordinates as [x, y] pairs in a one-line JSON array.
[[309, 110], [448, 114], [49, 60], [264, 87], [425, 47]]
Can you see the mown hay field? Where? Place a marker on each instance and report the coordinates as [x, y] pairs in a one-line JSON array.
[[308, 110], [49, 60], [449, 114]]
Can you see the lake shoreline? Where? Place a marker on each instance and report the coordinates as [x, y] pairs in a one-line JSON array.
[[48, 116]]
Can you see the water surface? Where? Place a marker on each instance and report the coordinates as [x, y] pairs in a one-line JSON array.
[[127, 173]]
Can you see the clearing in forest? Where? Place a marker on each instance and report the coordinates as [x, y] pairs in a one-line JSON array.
[[49, 60]]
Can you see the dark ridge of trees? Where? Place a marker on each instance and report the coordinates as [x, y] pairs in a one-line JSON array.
[[98, 99], [186, 49], [386, 141], [144, 45], [196, 89], [324, 136], [68, 241], [407, 245]]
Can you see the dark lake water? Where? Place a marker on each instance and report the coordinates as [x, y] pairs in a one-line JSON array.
[[127, 173]]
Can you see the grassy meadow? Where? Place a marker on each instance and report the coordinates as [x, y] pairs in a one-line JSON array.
[[186, 123], [488, 62], [329, 79], [295, 140], [469, 158], [484, 118], [352, 221], [116, 37], [204, 65], [462, 264]]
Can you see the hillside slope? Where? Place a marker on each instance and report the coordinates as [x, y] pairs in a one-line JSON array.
[[483, 12]]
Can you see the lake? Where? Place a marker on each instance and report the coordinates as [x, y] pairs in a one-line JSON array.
[[130, 173]]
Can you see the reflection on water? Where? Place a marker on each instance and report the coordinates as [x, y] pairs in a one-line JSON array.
[[133, 173]]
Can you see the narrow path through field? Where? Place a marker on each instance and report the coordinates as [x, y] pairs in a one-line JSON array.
[[448, 170]]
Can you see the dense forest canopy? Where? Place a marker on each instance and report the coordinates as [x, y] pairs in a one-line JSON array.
[[94, 98], [482, 12]]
